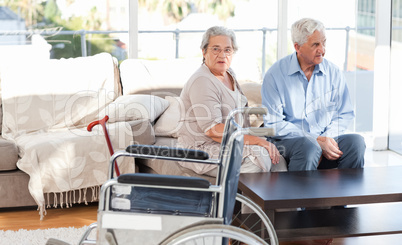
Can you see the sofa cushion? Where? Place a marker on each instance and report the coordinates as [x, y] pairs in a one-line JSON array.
[[9, 155], [135, 107]]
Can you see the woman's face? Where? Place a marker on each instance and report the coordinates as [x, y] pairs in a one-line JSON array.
[[218, 62]]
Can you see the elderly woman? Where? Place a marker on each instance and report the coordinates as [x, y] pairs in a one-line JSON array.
[[208, 97]]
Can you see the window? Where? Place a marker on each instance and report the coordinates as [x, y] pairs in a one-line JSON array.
[[71, 28], [395, 117]]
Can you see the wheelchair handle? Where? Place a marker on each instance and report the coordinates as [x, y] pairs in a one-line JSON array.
[[256, 110], [260, 131]]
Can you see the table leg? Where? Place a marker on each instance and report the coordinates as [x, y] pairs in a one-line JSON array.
[[271, 215]]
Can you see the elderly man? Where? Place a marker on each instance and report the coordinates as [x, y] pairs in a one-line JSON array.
[[309, 105]]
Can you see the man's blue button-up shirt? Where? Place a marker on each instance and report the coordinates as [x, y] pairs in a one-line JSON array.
[[298, 107]]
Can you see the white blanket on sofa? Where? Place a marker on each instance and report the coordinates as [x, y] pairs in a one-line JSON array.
[[47, 107]]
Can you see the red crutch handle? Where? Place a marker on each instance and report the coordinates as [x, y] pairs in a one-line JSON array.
[[102, 122]]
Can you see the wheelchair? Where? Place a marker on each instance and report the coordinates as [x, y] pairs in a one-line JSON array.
[[143, 208]]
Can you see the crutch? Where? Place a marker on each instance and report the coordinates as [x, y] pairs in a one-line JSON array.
[[109, 144]]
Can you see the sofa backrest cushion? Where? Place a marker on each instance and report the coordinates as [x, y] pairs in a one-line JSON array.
[[253, 93], [167, 77], [56, 94], [169, 123], [157, 77]]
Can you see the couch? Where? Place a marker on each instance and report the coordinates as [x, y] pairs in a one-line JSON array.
[[48, 157]]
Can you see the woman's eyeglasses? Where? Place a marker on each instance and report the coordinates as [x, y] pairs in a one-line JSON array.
[[217, 50]]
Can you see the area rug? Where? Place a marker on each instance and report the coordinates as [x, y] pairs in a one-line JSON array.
[[39, 237]]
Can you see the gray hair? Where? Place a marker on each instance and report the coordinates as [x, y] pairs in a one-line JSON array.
[[304, 28], [218, 31]]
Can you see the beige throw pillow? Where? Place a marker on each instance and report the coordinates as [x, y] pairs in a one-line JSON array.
[[170, 121]]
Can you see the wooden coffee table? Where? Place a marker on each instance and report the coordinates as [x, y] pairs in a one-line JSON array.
[[379, 188]]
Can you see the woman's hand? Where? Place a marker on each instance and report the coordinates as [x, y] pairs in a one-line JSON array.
[[271, 148], [216, 133]]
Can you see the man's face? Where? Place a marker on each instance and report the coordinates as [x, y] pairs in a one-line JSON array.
[[312, 52]]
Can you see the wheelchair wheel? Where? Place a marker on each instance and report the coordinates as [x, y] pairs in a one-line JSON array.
[[251, 217], [214, 235]]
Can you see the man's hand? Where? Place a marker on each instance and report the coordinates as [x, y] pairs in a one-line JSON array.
[[330, 149]]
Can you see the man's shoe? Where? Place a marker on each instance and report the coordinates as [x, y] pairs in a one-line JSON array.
[[339, 207]]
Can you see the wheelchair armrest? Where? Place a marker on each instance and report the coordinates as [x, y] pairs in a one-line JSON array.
[[163, 151], [163, 180]]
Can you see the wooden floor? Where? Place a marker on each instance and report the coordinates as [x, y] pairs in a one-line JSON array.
[[28, 218], [83, 215]]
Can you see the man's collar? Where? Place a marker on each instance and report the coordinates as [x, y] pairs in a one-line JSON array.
[[294, 66], [320, 69]]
